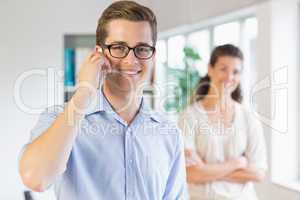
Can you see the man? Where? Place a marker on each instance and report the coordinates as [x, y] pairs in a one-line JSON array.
[[106, 143]]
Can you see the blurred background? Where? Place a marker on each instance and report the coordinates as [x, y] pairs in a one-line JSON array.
[[42, 42]]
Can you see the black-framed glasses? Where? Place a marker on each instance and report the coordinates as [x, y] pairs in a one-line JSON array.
[[141, 51]]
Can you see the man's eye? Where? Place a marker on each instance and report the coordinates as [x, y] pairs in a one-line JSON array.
[[143, 49], [118, 47]]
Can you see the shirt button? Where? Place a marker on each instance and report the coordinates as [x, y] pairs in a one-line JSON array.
[[129, 193]]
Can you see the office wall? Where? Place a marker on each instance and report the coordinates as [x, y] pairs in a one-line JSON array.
[[174, 13], [31, 37]]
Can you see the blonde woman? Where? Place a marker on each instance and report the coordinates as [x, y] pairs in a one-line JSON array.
[[224, 143]]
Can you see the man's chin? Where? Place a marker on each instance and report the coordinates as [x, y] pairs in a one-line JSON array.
[[126, 82], [126, 86]]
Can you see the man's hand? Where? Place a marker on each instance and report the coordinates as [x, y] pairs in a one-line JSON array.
[[92, 70], [91, 73]]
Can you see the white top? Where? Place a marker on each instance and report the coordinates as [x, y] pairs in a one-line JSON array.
[[214, 144]]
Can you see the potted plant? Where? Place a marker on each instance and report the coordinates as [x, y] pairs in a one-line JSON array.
[[184, 81]]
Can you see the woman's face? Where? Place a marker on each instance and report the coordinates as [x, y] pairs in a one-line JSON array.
[[225, 74]]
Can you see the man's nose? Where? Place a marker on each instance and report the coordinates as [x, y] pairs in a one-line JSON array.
[[131, 59]]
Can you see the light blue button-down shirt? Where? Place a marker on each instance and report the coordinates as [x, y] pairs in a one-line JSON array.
[[111, 160]]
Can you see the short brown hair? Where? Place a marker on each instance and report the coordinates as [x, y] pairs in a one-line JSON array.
[[128, 10]]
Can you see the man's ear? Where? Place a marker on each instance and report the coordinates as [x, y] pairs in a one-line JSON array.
[[98, 48]]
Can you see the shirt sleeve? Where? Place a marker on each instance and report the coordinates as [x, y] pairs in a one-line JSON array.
[[46, 118], [176, 188], [256, 147]]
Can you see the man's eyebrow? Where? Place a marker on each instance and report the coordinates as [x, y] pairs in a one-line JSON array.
[[143, 43], [125, 43], [119, 42]]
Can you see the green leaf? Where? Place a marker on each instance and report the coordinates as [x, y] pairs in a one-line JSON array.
[[187, 78], [191, 53]]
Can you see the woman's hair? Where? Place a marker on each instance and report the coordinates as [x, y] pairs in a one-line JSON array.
[[204, 83]]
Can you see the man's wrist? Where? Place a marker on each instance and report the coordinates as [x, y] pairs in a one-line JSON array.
[[79, 103]]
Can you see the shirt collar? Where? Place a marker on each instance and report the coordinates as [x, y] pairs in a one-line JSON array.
[[101, 104], [147, 112]]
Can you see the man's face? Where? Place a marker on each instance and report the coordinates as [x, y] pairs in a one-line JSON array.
[[129, 72]]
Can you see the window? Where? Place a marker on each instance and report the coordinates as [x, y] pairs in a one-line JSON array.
[[227, 33], [175, 51], [248, 46], [161, 51], [241, 32], [200, 41], [160, 74]]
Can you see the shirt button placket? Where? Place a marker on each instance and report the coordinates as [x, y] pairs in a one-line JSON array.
[[129, 165]]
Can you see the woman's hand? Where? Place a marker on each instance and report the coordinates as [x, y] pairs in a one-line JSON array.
[[239, 163], [199, 172]]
